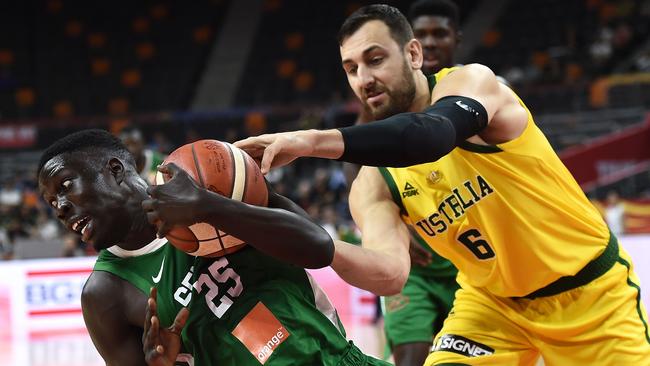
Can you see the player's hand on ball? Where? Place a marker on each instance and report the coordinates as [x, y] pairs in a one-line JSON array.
[[176, 202], [161, 345], [277, 149]]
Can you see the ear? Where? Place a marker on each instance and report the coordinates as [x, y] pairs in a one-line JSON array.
[[459, 37], [116, 167], [413, 51]]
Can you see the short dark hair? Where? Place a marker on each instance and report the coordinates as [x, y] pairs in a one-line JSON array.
[[89, 140], [442, 8], [400, 29]]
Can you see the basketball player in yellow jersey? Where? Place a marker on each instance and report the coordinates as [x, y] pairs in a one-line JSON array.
[[478, 181]]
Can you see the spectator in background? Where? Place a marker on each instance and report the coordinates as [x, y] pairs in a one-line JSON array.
[[146, 160], [614, 213]]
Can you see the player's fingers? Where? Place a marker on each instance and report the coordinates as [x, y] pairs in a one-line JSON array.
[[179, 321], [164, 168], [163, 229], [267, 159], [147, 322], [248, 143], [153, 217], [172, 170], [153, 335], [152, 191], [152, 302], [149, 204]]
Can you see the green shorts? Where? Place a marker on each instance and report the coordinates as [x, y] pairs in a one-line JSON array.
[[417, 313], [354, 357]]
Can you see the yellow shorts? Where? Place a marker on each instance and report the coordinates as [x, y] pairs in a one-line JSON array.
[[602, 323]]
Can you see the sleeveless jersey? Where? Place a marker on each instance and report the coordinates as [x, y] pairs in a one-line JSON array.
[[510, 217], [249, 309], [156, 264]]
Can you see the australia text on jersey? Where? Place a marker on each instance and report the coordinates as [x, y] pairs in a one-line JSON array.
[[453, 206]]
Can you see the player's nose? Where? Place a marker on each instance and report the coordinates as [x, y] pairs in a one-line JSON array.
[[63, 208], [366, 78]]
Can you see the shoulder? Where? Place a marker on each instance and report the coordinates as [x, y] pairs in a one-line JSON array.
[[475, 69], [110, 297], [101, 288]]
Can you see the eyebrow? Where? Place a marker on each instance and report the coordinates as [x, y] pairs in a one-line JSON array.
[[365, 52]]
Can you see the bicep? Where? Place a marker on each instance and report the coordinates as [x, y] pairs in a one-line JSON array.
[[473, 81], [117, 340]]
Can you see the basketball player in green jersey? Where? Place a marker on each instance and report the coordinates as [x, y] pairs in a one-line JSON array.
[[540, 273], [90, 180]]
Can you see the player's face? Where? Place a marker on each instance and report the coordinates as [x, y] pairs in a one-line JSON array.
[[86, 197], [378, 70], [439, 39]]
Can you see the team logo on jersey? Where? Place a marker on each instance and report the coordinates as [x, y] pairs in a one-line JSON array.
[[159, 276], [261, 332], [462, 346], [434, 176], [409, 190]]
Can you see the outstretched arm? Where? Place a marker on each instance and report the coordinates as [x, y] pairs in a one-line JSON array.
[[285, 233], [464, 104], [381, 265]]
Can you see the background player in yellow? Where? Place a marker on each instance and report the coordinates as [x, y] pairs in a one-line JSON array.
[[539, 270]]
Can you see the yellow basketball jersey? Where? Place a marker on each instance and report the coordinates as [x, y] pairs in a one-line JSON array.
[[510, 217]]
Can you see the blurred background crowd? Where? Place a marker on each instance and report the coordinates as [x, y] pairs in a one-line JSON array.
[[164, 73]]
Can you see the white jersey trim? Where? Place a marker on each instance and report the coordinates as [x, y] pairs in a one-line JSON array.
[[323, 303], [151, 247]]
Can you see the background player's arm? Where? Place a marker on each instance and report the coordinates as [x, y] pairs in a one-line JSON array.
[[382, 264], [112, 320]]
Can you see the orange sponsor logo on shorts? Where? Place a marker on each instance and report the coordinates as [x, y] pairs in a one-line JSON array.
[[261, 332]]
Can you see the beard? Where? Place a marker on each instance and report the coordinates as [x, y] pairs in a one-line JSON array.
[[399, 100]]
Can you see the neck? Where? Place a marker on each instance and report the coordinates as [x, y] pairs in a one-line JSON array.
[[422, 94], [141, 234]]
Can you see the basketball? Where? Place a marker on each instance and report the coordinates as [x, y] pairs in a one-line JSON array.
[[223, 169]]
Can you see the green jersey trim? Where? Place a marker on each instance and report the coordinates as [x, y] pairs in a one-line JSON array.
[[392, 186], [481, 149]]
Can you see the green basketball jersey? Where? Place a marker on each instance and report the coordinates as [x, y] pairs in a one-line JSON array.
[[250, 309], [156, 264]]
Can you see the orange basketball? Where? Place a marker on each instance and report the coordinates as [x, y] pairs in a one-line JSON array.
[[224, 169]]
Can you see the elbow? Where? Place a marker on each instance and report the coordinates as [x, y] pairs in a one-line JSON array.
[[323, 253], [394, 284]]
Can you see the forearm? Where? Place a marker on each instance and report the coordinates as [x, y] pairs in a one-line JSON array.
[[327, 144], [369, 269], [414, 138], [277, 232]]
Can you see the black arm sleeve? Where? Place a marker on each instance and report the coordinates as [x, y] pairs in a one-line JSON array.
[[414, 138]]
